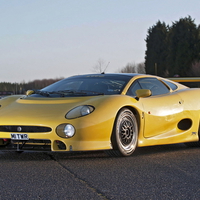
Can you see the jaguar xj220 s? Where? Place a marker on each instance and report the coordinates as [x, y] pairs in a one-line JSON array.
[[112, 112]]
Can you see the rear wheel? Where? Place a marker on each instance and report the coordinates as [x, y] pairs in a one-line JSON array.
[[125, 134], [194, 144]]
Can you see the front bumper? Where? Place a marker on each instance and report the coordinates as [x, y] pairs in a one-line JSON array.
[[52, 142], [90, 135]]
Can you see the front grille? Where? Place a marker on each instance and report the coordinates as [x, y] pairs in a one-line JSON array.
[[25, 129]]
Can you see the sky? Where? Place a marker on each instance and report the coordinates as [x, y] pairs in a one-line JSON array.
[[43, 39]]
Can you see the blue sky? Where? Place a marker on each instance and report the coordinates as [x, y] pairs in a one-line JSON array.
[[59, 38]]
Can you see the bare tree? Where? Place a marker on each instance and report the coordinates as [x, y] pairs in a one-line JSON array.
[[129, 68], [101, 66], [141, 68], [133, 68]]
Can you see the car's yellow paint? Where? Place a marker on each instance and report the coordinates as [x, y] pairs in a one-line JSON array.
[[157, 117]]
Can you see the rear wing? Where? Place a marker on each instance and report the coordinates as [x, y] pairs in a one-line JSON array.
[[193, 82]]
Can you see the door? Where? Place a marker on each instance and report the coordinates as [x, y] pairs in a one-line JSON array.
[[162, 114], [162, 110]]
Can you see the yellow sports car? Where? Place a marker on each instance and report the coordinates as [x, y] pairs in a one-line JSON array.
[[113, 112]]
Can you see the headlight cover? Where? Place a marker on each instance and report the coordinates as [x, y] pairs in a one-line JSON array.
[[65, 130], [79, 111]]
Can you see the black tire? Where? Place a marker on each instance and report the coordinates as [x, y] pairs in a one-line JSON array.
[[19, 152], [125, 134], [194, 144]]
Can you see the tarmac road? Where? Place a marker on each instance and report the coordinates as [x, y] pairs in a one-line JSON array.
[[160, 172]]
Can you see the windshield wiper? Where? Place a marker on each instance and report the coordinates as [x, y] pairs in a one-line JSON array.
[[62, 93], [42, 93], [93, 92]]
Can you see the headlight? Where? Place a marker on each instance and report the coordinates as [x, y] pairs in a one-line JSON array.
[[79, 112], [65, 130]]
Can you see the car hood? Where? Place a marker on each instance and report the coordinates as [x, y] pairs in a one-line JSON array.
[[25, 109]]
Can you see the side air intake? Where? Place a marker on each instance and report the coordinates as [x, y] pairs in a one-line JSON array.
[[185, 124]]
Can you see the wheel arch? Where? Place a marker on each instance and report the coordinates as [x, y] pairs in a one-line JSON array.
[[137, 116], [134, 111]]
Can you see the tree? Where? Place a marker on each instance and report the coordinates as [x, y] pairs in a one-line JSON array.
[[195, 69], [141, 68], [129, 68], [183, 50], [157, 49]]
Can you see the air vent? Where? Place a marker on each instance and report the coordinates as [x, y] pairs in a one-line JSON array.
[[25, 129]]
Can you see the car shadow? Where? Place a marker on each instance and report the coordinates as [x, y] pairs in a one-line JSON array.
[[43, 156], [141, 151]]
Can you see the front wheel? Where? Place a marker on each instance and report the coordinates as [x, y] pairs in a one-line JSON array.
[[125, 134]]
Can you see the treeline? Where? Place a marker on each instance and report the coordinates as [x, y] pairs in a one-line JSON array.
[[173, 50], [21, 88], [170, 50], [133, 68]]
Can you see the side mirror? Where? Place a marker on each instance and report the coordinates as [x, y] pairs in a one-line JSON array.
[[29, 92], [141, 93]]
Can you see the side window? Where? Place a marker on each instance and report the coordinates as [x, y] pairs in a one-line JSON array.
[[131, 91], [153, 84], [171, 85]]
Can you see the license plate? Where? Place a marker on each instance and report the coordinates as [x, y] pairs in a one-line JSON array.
[[19, 136]]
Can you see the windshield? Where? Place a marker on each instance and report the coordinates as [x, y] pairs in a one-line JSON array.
[[88, 85]]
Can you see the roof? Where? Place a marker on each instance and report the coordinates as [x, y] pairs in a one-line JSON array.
[[110, 74]]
